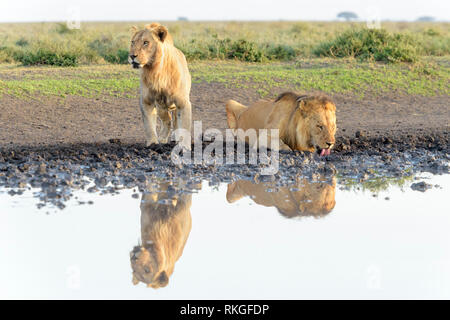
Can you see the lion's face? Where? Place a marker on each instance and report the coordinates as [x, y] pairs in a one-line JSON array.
[[320, 118], [145, 45], [144, 263], [321, 198]]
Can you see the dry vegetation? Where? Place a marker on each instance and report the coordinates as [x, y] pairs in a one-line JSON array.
[[97, 43]]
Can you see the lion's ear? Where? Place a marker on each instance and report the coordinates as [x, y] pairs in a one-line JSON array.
[[162, 279], [302, 107], [135, 280], [134, 29], [233, 193], [152, 25], [161, 32]]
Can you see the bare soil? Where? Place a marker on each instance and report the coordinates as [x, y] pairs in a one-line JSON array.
[[72, 120]]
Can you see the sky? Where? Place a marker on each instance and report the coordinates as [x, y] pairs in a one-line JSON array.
[[164, 10]]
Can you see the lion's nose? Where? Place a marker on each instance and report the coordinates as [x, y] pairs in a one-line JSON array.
[[132, 56], [329, 144]]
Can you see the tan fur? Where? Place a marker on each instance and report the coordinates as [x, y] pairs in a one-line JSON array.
[[296, 117], [165, 228], [165, 82], [309, 199]]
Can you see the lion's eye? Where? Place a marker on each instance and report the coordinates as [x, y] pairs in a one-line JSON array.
[[145, 43], [320, 127]]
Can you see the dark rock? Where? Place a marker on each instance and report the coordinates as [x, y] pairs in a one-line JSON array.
[[421, 186]]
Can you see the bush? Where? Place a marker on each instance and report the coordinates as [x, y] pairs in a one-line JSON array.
[[106, 47], [120, 57], [62, 28], [45, 57], [432, 32], [242, 50], [245, 51], [22, 42], [299, 27], [281, 52], [219, 49], [6, 55], [370, 44]]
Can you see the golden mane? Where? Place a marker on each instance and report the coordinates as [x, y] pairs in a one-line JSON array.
[[305, 123]]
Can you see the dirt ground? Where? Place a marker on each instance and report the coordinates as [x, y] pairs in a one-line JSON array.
[[53, 121], [55, 144]]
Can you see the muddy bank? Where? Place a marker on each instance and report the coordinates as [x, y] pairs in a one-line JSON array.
[[75, 119], [109, 167]]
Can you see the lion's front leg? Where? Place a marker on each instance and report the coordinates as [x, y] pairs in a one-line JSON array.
[[183, 122], [149, 118], [272, 143], [165, 117]]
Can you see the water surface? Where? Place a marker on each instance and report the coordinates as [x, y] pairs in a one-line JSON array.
[[317, 239]]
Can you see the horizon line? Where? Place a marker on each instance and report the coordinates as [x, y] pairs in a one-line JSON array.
[[230, 20]]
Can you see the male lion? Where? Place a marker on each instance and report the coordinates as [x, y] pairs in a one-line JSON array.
[[165, 228], [315, 199], [165, 82], [305, 123]]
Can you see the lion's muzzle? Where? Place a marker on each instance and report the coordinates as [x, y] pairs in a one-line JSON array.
[[132, 60]]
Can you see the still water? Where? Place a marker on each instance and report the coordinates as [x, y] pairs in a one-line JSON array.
[[237, 241]]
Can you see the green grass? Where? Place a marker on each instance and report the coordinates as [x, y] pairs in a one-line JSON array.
[[98, 43], [326, 75], [377, 184], [329, 76]]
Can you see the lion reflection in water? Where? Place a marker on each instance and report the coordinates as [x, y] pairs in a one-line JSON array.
[[166, 221], [315, 199], [165, 227]]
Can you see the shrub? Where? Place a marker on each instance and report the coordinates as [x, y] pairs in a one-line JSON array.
[[242, 50], [120, 57], [245, 51], [45, 57], [370, 44], [300, 27], [22, 42], [6, 55], [432, 32], [106, 47], [62, 28], [281, 52], [220, 49], [194, 53]]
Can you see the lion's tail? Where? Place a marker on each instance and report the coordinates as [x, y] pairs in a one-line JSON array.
[[234, 110]]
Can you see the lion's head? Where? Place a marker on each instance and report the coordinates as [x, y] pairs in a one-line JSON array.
[[316, 199], [146, 268], [313, 122], [146, 44]]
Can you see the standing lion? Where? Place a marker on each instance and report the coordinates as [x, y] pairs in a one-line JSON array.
[[165, 83], [165, 227]]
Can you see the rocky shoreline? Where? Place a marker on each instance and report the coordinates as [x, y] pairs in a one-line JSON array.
[[110, 167]]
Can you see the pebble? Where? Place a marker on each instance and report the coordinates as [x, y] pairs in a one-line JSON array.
[[421, 186]]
